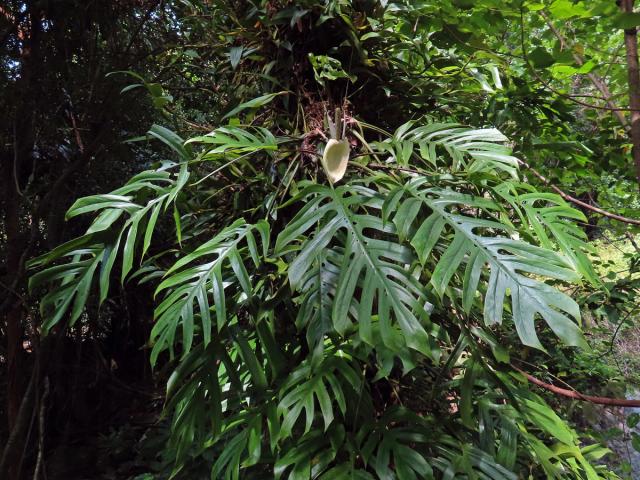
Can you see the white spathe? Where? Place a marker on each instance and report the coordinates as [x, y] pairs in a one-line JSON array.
[[335, 159]]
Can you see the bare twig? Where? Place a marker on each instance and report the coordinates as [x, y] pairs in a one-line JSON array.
[[597, 81], [571, 199], [539, 78], [632, 241], [76, 131], [41, 426], [618, 402], [615, 334]]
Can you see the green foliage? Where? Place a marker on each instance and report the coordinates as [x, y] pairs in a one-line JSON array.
[[284, 344], [109, 236], [325, 67]]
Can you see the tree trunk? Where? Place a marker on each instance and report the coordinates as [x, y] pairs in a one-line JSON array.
[[16, 168], [633, 72], [12, 458], [13, 318]]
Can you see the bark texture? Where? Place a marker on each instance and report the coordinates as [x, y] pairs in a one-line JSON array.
[[633, 75]]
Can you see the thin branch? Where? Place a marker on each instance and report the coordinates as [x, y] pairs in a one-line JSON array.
[[618, 402], [380, 166], [632, 241], [571, 199], [76, 130], [144, 20], [538, 78], [40, 463], [615, 334], [597, 81], [585, 95], [533, 70]]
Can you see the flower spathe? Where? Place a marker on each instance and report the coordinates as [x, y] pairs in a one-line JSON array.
[[335, 159]]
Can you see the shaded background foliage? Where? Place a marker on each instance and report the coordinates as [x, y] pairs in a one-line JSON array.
[[64, 136]]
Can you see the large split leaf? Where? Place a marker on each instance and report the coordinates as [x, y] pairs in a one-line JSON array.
[[514, 267], [471, 150], [374, 282], [106, 238], [198, 281]]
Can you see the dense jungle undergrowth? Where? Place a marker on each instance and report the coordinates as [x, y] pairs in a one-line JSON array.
[[357, 239]]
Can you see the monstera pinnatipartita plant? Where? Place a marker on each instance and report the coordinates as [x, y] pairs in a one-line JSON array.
[[359, 328]]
